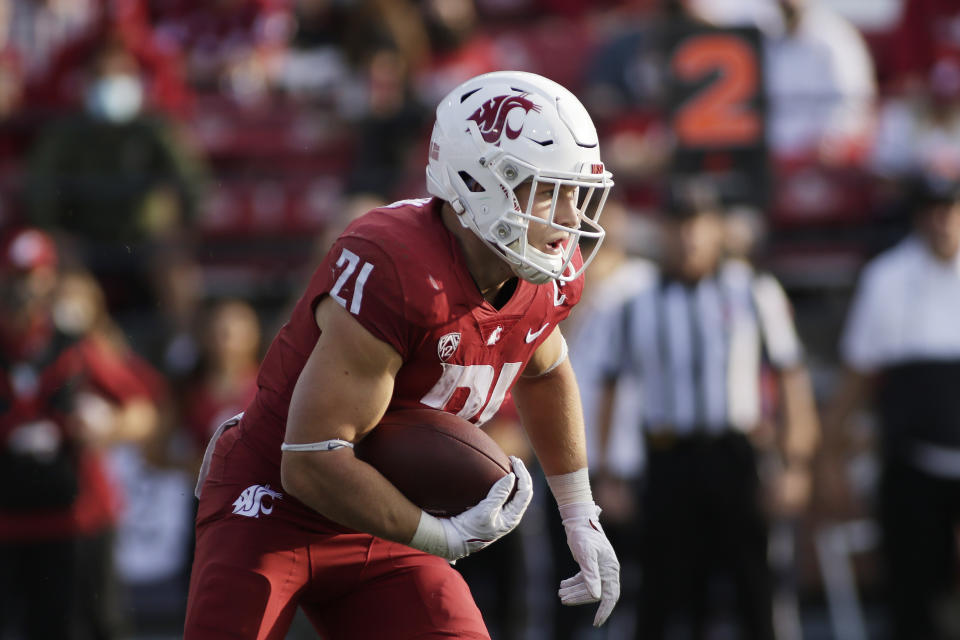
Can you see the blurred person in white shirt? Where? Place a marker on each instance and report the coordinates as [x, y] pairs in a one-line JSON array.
[[818, 73]]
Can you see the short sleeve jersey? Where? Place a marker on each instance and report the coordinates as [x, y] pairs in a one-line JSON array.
[[402, 276]]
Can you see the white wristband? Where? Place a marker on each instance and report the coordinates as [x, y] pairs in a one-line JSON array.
[[430, 537], [571, 487]]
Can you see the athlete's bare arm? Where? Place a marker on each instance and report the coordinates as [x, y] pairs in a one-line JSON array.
[[342, 393], [548, 400]]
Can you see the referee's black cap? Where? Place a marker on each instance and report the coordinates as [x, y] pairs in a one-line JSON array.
[[688, 197], [928, 189]]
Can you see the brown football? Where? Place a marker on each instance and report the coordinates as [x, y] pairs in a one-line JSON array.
[[442, 463]]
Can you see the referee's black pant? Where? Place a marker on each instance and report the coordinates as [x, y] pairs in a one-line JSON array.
[[704, 537], [919, 515]]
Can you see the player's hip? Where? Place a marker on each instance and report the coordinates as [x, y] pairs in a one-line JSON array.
[[238, 483]]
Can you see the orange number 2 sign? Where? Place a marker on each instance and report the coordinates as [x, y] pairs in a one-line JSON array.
[[720, 114]]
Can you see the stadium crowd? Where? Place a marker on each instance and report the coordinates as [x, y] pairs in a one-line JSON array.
[[189, 163]]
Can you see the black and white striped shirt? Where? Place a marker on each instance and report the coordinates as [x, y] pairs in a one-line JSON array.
[[697, 349]]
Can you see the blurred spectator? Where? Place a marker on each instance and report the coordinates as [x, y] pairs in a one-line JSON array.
[[697, 333], [819, 76], [116, 179], [170, 340], [625, 84], [901, 347], [112, 173], [68, 394], [50, 38], [458, 49], [625, 73], [12, 138], [39, 30], [392, 122], [228, 42], [316, 63], [153, 529], [227, 378], [927, 43], [820, 84], [11, 84], [744, 232], [335, 44], [920, 131]]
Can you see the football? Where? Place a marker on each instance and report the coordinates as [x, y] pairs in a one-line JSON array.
[[442, 463]]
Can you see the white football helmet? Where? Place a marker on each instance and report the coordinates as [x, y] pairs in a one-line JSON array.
[[497, 130]]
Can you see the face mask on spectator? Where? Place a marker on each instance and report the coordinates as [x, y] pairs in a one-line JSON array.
[[116, 98]]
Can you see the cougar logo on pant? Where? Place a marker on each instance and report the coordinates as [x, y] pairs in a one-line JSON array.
[[256, 499]]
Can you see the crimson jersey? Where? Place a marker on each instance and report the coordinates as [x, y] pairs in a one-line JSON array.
[[402, 275]]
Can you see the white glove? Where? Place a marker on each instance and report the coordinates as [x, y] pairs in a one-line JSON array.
[[478, 526], [599, 576]]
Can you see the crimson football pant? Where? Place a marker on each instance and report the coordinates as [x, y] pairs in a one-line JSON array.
[[351, 586], [250, 572]]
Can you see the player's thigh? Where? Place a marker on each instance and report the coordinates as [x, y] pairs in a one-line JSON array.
[[402, 594], [246, 577]]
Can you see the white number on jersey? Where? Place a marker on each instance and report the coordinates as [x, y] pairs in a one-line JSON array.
[[477, 378], [351, 260]]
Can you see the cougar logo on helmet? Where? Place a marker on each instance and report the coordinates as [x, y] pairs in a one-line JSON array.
[[491, 117]]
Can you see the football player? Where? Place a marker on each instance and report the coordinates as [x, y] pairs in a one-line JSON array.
[[448, 302]]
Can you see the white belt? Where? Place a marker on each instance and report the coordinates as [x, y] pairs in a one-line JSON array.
[[208, 454]]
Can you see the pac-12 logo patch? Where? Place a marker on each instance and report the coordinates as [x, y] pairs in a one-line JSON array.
[[447, 345], [256, 499]]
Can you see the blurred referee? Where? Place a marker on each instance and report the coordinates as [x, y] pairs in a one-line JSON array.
[[700, 335], [902, 346]]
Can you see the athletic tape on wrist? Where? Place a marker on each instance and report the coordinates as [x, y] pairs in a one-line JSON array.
[[571, 487], [430, 536]]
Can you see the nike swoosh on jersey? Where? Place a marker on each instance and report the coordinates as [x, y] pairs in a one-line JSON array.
[[533, 335]]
